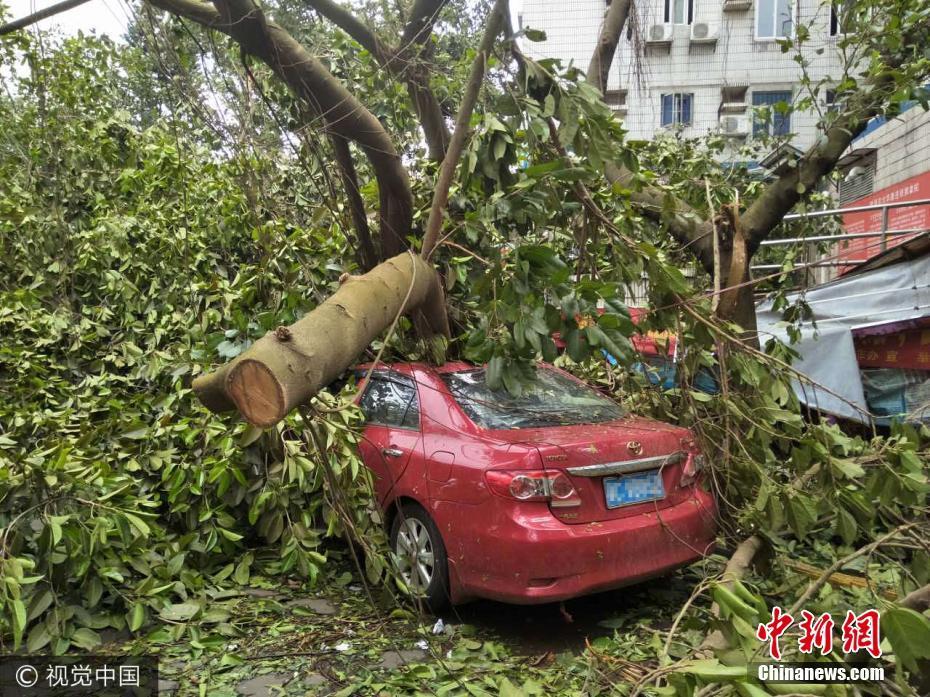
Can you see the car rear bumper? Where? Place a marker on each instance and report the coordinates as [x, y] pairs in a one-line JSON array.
[[526, 556]]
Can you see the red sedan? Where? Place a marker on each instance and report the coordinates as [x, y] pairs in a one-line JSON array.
[[530, 499]]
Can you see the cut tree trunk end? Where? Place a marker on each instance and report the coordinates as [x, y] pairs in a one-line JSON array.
[[737, 567], [289, 365]]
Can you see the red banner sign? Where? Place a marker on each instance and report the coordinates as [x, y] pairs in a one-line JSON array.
[[906, 218], [909, 349]]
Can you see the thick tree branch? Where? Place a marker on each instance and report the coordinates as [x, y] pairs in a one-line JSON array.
[[201, 12], [779, 197], [289, 365], [339, 109], [420, 23], [684, 223], [413, 52], [462, 124], [367, 256], [29, 20], [737, 567], [918, 600], [354, 27], [614, 19], [404, 61]]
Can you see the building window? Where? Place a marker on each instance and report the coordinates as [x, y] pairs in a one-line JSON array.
[[831, 100], [776, 119], [774, 19], [679, 11], [840, 18], [677, 109], [615, 99]]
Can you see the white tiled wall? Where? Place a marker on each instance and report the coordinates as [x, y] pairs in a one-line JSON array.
[[903, 146], [572, 27]]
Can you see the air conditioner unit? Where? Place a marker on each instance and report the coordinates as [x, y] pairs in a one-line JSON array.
[[703, 32], [735, 126], [734, 107], [736, 5], [660, 34]]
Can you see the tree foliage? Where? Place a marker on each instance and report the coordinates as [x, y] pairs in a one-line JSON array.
[[131, 259]]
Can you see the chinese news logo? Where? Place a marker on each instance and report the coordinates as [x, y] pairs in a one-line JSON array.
[[859, 632]]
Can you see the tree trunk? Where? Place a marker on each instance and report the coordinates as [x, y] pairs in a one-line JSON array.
[[606, 49], [737, 302], [286, 367]]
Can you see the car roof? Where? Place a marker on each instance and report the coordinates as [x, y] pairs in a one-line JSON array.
[[449, 367]]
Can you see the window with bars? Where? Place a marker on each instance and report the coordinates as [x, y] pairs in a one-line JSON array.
[[832, 100], [677, 109], [840, 18], [774, 19], [775, 118], [679, 11]]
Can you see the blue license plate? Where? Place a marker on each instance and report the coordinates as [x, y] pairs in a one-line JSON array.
[[634, 488]]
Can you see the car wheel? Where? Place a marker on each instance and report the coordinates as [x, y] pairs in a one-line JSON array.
[[420, 556]]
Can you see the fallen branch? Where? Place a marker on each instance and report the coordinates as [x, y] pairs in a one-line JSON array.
[[838, 579], [918, 600], [289, 365], [736, 569], [813, 588]]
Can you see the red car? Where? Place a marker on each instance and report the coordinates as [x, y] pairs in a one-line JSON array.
[[531, 499]]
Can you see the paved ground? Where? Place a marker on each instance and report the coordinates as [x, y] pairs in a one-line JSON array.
[[331, 641]]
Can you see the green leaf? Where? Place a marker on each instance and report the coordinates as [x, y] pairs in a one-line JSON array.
[[230, 535], [250, 435], [909, 635], [846, 526], [847, 468], [508, 689], [495, 372], [135, 617], [40, 603], [179, 612], [138, 523], [85, 638], [712, 669], [38, 637], [19, 621]]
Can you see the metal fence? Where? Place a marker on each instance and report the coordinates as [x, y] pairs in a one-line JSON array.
[[883, 233]]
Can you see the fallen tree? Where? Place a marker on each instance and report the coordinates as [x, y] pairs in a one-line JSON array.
[[289, 365]]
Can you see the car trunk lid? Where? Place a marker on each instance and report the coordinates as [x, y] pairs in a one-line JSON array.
[[591, 453]]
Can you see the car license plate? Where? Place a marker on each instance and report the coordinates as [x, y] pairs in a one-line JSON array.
[[634, 488]]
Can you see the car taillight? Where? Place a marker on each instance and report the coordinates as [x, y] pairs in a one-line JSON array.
[[534, 485], [694, 465]]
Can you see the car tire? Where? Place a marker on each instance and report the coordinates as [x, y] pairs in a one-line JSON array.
[[420, 556]]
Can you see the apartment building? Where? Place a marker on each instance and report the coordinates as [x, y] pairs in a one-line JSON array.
[[700, 65]]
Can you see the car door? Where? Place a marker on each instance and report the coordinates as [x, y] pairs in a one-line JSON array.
[[392, 427]]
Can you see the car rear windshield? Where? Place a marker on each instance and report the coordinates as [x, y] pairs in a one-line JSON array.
[[551, 399]]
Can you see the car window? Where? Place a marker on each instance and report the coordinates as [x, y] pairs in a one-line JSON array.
[[390, 399], [551, 399]]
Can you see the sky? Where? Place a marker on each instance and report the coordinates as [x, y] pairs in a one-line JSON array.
[[103, 16]]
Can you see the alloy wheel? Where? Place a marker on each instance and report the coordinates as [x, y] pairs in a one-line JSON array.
[[415, 558]]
